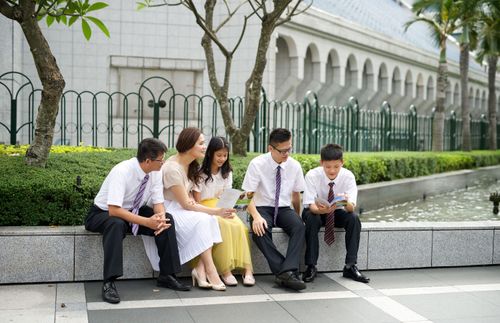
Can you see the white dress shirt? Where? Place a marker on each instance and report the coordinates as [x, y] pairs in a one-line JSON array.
[[260, 178], [317, 185], [122, 184]]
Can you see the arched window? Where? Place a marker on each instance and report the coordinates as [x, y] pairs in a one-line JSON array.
[[430, 89], [396, 82], [420, 86], [382, 79], [351, 72], [408, 84], [367, 80]]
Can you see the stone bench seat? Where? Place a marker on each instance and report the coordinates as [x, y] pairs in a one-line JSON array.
[[50, 254]]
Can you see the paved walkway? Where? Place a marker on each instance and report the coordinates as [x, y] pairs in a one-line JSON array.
[[458, 295]]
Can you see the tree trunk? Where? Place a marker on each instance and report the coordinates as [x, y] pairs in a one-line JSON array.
[[492, 111], [464, 85], [253, 85], [239, 143], [438, 124], [52, 84], [220, 91]]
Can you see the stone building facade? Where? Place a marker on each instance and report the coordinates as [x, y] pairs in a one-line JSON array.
[[337, 49]]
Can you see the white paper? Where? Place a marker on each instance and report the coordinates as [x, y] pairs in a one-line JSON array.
[[229, 198]]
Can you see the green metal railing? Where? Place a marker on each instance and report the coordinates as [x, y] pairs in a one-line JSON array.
[[122, 119]]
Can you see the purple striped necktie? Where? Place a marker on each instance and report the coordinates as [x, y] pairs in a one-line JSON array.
[[277, 194], [330, 223], [138, 202]]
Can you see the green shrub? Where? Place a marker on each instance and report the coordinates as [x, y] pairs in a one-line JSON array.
[[49, 196], [55, 149]]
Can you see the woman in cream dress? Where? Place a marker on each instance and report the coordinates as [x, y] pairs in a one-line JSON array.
[[196, 227]]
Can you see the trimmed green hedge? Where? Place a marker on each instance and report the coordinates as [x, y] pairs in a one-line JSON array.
[[49, 196]]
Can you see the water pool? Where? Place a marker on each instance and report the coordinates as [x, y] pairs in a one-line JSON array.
[[468, 204]]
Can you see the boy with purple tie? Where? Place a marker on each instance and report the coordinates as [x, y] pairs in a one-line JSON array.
[[275, 180]]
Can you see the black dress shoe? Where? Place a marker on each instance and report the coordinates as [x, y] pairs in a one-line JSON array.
[[354, 273], [170, 281], [109, 293], [310, 274], [290, 280]]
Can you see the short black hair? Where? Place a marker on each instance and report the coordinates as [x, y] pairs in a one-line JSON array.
[[331, 152], [279, 135], [150, 148]]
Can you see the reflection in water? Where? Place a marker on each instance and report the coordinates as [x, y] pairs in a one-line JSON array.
[[470, 204]]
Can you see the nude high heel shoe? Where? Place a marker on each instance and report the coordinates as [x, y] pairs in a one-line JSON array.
[[201, 283], [219, 287]]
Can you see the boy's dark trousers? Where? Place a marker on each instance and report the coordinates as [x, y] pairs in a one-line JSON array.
[[291, 223], [343, 219]]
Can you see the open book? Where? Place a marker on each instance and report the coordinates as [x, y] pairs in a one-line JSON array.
[[338, 200], [229, 198]]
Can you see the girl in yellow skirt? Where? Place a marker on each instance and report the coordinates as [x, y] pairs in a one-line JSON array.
[[234, 251]]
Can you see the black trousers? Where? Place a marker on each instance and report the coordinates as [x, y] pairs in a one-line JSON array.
[[343, 219], [114, 230], [294, 227]]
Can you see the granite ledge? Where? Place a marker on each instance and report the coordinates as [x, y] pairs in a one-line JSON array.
[[367, 226]]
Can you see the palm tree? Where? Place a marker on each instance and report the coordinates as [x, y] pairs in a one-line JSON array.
[[441, 18], [489, 48], [468, 18]]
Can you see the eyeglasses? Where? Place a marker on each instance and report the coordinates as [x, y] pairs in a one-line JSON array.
[[159, 160], [283, 152]]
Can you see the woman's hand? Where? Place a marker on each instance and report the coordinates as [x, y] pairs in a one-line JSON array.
[[225, 213]]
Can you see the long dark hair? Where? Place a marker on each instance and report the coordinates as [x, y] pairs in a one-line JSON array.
[[216, 143], [187, 139]]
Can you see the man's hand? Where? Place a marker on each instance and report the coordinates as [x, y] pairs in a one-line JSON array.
[[259, 226], [158, 222], [324, 209]]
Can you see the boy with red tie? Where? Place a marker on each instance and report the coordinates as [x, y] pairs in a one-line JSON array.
[[325, 184]]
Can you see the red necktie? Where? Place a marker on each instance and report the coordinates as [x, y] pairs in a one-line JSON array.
[[330, 223]]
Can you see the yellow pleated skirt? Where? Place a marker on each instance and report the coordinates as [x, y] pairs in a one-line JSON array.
[[234, 250]]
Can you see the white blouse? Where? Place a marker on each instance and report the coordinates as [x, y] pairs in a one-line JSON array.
[[214, 188]]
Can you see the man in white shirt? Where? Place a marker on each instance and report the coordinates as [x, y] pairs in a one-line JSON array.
[[119, 209], [323, 185], [275, 181]]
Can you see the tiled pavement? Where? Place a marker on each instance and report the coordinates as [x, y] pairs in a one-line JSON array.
[[451, 295]]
